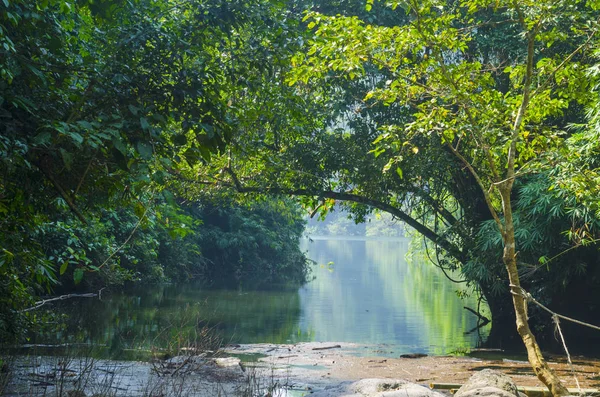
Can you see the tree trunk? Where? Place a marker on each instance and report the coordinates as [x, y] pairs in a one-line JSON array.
[[534, 354]]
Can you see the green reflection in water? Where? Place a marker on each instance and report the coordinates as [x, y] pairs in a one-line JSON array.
[[372, 295], [161, 316], [369, 295]]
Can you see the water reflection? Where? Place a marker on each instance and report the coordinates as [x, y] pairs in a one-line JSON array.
[[154, 316], [370, 294]]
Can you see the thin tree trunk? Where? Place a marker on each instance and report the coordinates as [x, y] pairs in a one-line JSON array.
[[534, 354]]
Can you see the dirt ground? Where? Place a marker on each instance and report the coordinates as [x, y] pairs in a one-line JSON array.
[[319, 364]]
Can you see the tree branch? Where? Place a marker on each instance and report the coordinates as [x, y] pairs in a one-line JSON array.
[[87, 169], [453, 250], [512, 151], [63, 194], [41, 303], [562, 64], [439, 208], [486, 193], [139, 222]]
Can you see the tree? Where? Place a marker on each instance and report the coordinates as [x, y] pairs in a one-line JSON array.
[[101, 104], [481, 93], [494, 114]]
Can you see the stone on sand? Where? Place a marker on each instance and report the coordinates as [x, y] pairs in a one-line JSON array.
[[488, 383], [378, 388]]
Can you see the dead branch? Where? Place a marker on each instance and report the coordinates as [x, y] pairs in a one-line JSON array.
[[41, 303]]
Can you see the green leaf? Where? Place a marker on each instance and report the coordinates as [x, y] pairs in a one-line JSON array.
[[76, 137], [169, 197], [144, 123], [63, 267], [42, 138], [78, 275], [399, 172], [159, 177], [179, 139], [145, 150], [67, 158], [85, 124], [37, 72], [119, 145]]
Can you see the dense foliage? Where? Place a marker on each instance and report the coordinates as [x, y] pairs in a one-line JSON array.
[[125, 124], [101, 105], [467, 107]]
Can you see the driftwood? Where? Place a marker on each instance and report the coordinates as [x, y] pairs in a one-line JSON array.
[[413, 355], [486, 350], [327, 347], [41, 303], [40, 345]]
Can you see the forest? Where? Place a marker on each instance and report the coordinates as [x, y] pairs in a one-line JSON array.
[[152, 140]]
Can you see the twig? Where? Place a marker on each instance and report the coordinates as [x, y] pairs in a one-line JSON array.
[[63, 194], [527, 296], [127, 240], [83, 176], [562, 339]]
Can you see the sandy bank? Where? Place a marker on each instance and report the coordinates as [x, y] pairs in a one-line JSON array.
[[298, 370]]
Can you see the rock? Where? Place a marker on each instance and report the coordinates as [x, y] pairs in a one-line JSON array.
[[227, 361], [487, 391], [488, 383], [177, 360], [378, 388]]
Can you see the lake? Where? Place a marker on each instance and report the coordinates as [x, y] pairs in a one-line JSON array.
[[361, 291]]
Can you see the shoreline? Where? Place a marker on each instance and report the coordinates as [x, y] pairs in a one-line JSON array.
[[296, 370], [342, 364]]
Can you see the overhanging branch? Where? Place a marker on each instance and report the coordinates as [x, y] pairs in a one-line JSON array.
[[431, 235]]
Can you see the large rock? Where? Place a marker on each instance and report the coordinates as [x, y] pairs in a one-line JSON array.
[[378, 388], [488, 383], [225, 362]]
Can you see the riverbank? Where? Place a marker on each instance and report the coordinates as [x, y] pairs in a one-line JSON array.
[[351, 362], [292, 370]]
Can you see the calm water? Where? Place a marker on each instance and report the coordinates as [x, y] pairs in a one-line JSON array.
[[363, 291]]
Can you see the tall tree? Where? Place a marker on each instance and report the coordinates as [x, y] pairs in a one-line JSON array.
[[478, 94], [493, 112]]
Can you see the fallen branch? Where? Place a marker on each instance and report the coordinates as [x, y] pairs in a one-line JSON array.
[[327, 347], [41, 303], [486, 350], [38, 345], [413, 355]]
